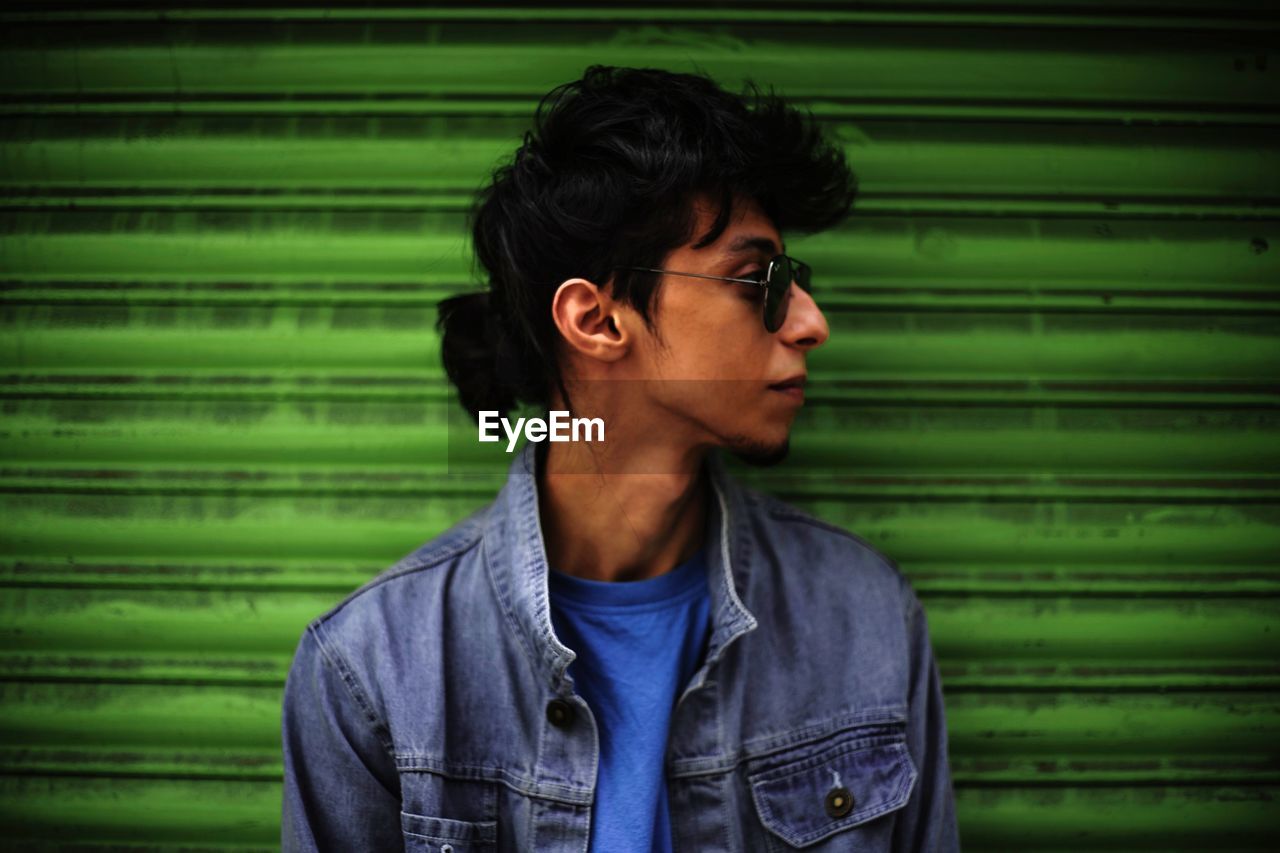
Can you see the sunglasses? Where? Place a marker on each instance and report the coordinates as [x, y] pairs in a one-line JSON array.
[[776, 281]]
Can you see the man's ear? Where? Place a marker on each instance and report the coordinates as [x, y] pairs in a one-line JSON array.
[[590, 321]]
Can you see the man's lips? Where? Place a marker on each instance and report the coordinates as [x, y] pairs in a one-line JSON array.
[[792, 387]]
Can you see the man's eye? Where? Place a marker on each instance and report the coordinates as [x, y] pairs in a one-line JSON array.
[[755, 275]]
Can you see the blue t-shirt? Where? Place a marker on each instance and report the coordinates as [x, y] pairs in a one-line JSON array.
[[638, 643]]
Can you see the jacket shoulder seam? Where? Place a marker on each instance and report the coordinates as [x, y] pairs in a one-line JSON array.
[[333, 658], [783, 511]]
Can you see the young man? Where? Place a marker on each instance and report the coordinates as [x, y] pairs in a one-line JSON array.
[[629, 650]]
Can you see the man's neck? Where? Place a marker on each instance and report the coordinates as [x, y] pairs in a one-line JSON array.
[[621, 527]]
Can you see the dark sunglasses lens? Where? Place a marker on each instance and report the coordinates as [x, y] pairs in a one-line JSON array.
[[804, 276], [777, 293]]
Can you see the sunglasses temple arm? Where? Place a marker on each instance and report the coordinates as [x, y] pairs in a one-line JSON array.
[[700, 275]]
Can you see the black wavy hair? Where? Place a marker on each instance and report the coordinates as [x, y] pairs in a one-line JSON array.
[[607, 178]]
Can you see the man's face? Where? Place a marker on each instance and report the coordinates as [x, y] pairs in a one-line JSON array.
[[718, 367]]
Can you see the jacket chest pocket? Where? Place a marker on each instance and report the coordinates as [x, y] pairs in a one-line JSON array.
[[842, 794], [423, 834]]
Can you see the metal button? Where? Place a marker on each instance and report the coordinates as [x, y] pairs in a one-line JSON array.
[[839, 801], [560, 713]]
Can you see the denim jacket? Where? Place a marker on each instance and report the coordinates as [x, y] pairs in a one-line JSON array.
[[431, 709]]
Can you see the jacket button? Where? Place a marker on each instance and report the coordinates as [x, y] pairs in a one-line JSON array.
[[560, 713], [839, 802]]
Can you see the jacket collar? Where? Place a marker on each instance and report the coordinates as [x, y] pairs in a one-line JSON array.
[[516, 557]]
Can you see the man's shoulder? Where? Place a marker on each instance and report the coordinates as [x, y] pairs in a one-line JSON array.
[[414, 574], [835, 549], [379, 628]]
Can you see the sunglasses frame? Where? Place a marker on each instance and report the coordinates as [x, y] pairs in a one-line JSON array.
[[775, 304]]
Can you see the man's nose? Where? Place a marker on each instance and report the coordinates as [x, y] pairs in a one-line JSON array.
[[805, 326]]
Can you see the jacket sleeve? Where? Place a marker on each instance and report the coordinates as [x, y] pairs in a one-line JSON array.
[[341, 787], [927, 823]]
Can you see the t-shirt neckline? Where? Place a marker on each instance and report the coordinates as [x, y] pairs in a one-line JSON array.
[[668, 585]]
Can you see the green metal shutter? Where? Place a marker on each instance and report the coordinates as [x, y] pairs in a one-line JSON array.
[[1050, 392]]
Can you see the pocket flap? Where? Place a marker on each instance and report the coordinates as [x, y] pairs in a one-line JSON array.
[[450, 832], [808, 799]]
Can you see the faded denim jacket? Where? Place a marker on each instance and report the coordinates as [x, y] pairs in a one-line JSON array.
[[431, 709]]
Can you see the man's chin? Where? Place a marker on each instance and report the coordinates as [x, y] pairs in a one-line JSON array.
[[761, 454]]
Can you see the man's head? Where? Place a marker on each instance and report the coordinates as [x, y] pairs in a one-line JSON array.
[[628, 171]]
